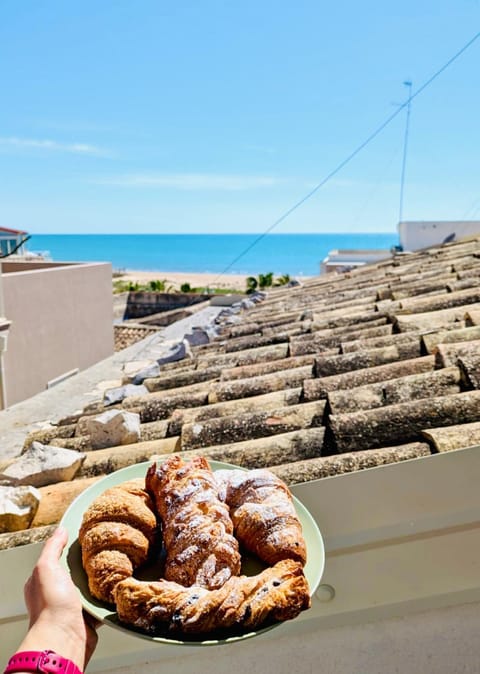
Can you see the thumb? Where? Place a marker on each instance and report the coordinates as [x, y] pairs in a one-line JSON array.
[[54, 546]]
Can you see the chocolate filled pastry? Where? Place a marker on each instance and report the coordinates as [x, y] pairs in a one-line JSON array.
[[196, 526], [244, 602], [263, 514], [116, 533]]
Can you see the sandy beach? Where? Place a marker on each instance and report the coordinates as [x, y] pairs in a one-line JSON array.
[[175, 279]]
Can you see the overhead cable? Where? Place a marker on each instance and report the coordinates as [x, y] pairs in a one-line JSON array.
[[351, 156]]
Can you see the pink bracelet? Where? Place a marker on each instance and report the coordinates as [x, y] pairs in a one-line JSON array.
[[41, 661]]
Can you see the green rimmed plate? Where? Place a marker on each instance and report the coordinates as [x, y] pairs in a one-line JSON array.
[[72, 559]]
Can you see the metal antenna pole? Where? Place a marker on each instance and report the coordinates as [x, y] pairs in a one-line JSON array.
[[405, 144]]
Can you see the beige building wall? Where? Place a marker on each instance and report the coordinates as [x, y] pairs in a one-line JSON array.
[[61, 320]]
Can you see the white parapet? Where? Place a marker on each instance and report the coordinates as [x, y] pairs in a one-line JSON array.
[[345, 259], [400, 591], [415, 235]]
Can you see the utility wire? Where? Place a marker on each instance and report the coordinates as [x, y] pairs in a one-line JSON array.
[[351, 156], [374, 189], [404, 159], [472, 209]]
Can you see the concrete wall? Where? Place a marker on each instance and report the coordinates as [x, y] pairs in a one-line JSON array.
[[437, 642], [144, 303], [62, 319], [442, 641], [4, 325], [416, 235], [400, 592]]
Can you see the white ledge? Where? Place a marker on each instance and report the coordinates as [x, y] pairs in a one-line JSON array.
[[400, 539]]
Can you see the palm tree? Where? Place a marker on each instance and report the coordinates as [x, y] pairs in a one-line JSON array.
[[252, 284], [282, 280], [158, 286], [262, 281], [265, 280]]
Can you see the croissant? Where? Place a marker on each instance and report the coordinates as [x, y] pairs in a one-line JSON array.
[[244, 602], [264, 517], [197, 529], [117, 531]]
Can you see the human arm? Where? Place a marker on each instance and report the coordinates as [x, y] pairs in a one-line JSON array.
[[57, 621]]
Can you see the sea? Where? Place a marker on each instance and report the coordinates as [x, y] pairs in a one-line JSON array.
[[249, 254]]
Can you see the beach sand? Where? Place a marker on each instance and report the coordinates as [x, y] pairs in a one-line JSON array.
[[175, 279], [235, 282]]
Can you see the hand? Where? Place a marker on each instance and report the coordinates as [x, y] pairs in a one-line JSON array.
[[57, 621]]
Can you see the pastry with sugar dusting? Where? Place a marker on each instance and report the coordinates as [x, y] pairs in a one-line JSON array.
[[245, 602], [196, 525], [263, 514]]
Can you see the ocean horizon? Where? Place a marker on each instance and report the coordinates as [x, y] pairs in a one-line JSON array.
[[293, 254]]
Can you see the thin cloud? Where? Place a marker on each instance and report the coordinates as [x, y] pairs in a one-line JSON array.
[[192, 181], [51, 146]]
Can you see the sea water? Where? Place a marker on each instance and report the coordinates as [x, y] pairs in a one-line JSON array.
[[293, 254]]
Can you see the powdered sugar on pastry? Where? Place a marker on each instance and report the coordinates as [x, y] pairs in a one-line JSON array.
[[263, 514], [197, 528], [278, 593]]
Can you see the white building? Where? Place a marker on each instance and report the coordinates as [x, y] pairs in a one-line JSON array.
[[12, 241], [413, 235], [419, 234]]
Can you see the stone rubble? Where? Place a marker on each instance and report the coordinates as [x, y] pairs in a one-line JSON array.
[[18, 506], [114, 427], [42, 465], [116, 395]]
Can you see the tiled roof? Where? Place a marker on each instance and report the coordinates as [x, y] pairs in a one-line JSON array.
[[7, 230], [127, 334], [346, 372]]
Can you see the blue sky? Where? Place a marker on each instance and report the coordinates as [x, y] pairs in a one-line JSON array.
[[218, 116]]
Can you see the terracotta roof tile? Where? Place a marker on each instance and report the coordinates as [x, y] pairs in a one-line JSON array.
[[393, 391], [251, 425], [315, 469], [315, 389], [401, 422], [253, 386]]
